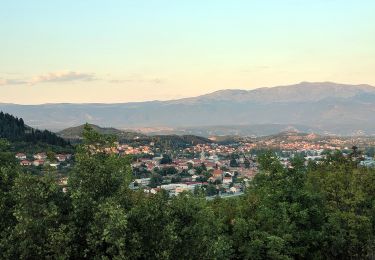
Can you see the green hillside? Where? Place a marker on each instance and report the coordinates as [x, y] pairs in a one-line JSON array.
[[75, 133], [15, 130]]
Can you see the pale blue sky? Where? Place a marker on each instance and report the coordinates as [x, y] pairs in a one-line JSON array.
[[135, 50]]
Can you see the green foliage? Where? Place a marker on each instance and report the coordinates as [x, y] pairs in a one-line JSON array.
[[38, 215], [166, 159], [4, 145], [200, 233], [168, 171], [211, 190], [155, 180], [97, 177], [247, 163], [233, 161], [6, 157]]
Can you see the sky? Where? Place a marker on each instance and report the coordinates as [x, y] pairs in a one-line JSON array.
[[81, 51]]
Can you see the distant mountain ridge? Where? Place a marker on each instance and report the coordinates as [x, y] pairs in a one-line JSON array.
[[325, 107], [316, 91], [237, 130]]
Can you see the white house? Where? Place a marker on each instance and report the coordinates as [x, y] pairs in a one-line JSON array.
[[227, 180], [21, 156], [233, 189], [143, 181], [38, 162], [40, 156], [25, 163]]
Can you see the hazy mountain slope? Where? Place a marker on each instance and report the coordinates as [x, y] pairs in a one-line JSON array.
[[326, 106], [302, 92], [238, 130]]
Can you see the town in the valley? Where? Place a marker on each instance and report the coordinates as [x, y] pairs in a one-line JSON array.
[[219, 167]]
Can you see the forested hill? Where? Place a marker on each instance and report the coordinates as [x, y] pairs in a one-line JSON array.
[[76, 133], [14, 129]]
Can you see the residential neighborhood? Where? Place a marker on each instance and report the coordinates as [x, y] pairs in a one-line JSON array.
[[216, 169], [42, 159]]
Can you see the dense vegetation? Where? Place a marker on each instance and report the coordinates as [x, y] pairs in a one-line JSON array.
[[15, 130], [175, 142], [319, 211]]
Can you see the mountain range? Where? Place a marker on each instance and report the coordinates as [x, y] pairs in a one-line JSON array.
[[323, 107]]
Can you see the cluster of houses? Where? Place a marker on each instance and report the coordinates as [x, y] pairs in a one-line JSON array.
[[215, 159], [131, 150], [40, 159], [210, 163], [214, 149], [219, 170], [293, 143], [123, 149], [175, 189], [303, 146]]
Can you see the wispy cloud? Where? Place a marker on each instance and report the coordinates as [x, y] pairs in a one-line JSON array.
[[4, 82], [121, 81], [62, 77], [56, 77], [135, 78], [72, 76]]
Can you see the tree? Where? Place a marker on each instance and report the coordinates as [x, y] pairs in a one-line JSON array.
[[166, 159], [276, 198], [9, 172], [39, 211], [107, 235], [156, 180], [97, 177], [168, 171], [348, 207], [203, 166], [233, 163], [6, 157], [211, 190], [51, 156], [190, 165], [247, 163], [196, 222]]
